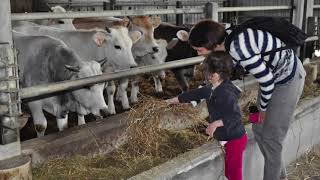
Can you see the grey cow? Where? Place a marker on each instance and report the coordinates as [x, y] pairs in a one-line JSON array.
[[152, 59], [113, 45], [44, 60]]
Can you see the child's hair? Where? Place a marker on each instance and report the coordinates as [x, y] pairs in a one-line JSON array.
[[207, 33], [219, 62]]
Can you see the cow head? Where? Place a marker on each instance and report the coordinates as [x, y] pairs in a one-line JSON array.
[[117, 44], [90, 98], [156, 58], [61, 23], [147, 43]]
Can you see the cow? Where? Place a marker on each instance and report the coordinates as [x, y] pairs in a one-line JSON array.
[[143, 51], [151, 59], [177, 37], [60, 23], [43, 60], [144, 48], [113, 44]]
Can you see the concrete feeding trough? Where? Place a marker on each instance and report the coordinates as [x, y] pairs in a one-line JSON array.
[[206, 162]]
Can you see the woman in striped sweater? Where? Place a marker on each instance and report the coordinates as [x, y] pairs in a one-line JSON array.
[[280, 76]]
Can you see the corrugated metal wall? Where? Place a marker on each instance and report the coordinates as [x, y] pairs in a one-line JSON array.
[[245, 15]]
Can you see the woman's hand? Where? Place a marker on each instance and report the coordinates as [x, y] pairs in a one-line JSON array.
[[262, 116], [174, 100]]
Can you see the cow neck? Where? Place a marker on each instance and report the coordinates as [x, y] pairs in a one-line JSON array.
[[74, 104]]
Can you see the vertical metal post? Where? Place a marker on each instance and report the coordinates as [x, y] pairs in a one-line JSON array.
[[112, 4], [104, 5], [293, 7], [211, 11], [297, 18], [308, 11], [179, 17], [298, 13], [9, 88]]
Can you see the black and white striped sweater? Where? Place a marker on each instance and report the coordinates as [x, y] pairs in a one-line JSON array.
[[276, 68]]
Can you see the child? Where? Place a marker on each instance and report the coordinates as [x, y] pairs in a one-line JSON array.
[[224, 113]]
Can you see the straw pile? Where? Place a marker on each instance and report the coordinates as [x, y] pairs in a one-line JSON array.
[[148, 145], [307, 167], [311, 87], [145, 131]]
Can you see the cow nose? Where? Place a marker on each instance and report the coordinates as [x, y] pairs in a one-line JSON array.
[[133, 65], [104, 112], [155, 49]]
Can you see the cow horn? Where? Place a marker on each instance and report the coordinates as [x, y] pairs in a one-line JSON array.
[[102, 61], [108, 29], [50, 10], [72, 68]]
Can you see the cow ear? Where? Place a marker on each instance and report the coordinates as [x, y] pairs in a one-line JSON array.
[[99, 38], [126, 21], [156, 21], [72, 68], [183, 35], [135, 36], [172, 43], [108, 29]]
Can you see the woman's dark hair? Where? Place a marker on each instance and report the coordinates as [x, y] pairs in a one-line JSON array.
[[219, 62], [207, 33]]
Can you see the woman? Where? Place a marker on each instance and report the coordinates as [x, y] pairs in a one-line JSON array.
[[280, 76]]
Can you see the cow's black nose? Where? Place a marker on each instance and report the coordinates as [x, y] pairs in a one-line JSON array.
[[155, 49], [104, 112]]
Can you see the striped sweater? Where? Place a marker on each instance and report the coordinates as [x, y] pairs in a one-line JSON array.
[[276, 68]]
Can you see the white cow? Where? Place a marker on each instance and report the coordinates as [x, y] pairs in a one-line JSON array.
[[44, 60], [113, 44]]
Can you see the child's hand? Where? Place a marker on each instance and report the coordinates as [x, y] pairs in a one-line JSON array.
[[213, 126], [211, 129], [174, 100]]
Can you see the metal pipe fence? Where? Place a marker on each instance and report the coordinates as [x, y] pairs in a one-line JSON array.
[[40, 90]]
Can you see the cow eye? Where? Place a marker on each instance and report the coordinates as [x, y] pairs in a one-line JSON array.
[[87, 87], [117, 47]]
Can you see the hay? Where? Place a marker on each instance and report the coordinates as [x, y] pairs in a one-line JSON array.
[[144, 125], [148, 145], [311, 86], [307, 167]]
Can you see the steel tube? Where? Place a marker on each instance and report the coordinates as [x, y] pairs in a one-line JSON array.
[[312, 38], [253, 8], [40, 90], [30, 16], [316, 6]]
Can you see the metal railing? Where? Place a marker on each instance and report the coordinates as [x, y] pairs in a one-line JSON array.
[[34, 16], [73, 84]]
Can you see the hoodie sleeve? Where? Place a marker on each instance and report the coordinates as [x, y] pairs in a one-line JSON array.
[[195, 95]]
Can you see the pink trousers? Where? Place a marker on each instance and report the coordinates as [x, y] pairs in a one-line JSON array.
[[233, 159]]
